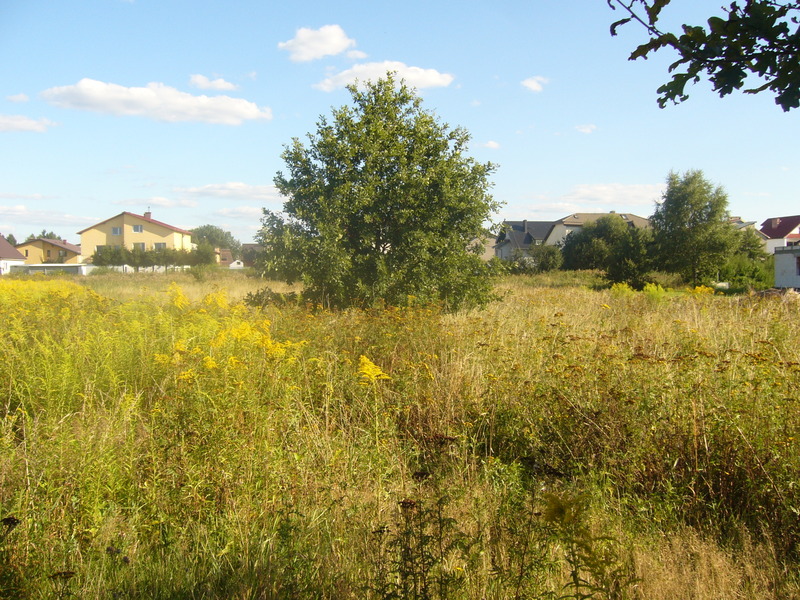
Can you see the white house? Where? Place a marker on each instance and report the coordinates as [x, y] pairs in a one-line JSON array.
[[781, 232], [9, 256]]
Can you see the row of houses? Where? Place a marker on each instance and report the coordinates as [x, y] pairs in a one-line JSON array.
[[517, 237], [780, 236], [125, 230]]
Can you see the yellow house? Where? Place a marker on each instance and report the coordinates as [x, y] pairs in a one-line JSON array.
[[128, 230], [45, 250]]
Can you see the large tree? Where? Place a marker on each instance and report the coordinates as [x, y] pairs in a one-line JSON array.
[[382, 203], [592, 246], [759, 38], [612, 245], [217, 238], [692, 232]]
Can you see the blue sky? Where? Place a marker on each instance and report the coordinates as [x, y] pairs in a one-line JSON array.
[[184, 106]]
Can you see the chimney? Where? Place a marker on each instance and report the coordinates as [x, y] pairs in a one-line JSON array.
[[148, 215]]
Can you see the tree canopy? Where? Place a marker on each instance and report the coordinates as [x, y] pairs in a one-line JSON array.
[[216, 237], [612, 245], [382, 203], [758, 37], [692, 232], [46, 235]]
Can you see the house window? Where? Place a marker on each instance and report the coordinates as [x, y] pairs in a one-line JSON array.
[[62, 253], [160, 246], [99, 248], [26, 254], [48, 254], [796, 259], [138, 228], [139, 246], [116, 231]]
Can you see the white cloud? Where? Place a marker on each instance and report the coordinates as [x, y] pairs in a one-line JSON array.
[[17, 98], [156, 101], [492, 144], [234, 189], [310, 44], [357, 55], [241, 212], [586, 128], [159, 201], [614, 196], [21, 123], [204, 83], [413, 76], [46, 218], [536, 83]]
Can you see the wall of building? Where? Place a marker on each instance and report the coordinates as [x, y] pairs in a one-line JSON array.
[[787, 267]]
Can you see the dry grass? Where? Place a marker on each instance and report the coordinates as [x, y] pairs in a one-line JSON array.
[[231, 452]]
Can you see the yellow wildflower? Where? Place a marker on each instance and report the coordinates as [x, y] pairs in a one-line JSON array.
[[369, 371]]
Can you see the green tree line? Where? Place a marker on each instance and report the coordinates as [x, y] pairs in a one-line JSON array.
[[204, 254], [690, 235]]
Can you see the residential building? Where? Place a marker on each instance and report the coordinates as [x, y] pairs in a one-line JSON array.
[[516, 237], [563, 227], [132, 231], [46, 250], [781, 231], [9, 256]]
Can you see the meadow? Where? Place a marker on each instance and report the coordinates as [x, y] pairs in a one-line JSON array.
[[162, 439]]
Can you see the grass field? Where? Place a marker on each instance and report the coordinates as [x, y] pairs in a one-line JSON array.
[[160, 439]]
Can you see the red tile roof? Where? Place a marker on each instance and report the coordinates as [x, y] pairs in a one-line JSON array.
[[143, 218], [8, 251], [779, 227]]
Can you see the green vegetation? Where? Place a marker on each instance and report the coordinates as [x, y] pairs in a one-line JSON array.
[[216, 237], [691, 228], [757, 38], [383, 204], [564, 442], [109, 256], [692, 237]]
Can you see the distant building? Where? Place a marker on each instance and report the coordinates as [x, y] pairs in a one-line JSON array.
[[787, 267], [132, 231], [46, 250], [516, 237], [9, 256], [781, 231]]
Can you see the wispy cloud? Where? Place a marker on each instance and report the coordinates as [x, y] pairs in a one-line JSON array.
[[413, 76], [248, 213], [159, 201], [311, 44], [204, 83], [233, 189], [17, 98], [155, 101], [492, 145], [22, 123], [613, 195], [536, 83], [586, 128], [48, 218]]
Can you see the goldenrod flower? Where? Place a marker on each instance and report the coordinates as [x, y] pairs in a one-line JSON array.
[[369, 371]]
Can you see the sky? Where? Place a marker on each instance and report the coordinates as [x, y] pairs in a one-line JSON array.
[[183, 107]]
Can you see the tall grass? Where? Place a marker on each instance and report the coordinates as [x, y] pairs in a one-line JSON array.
[[563, 442]]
